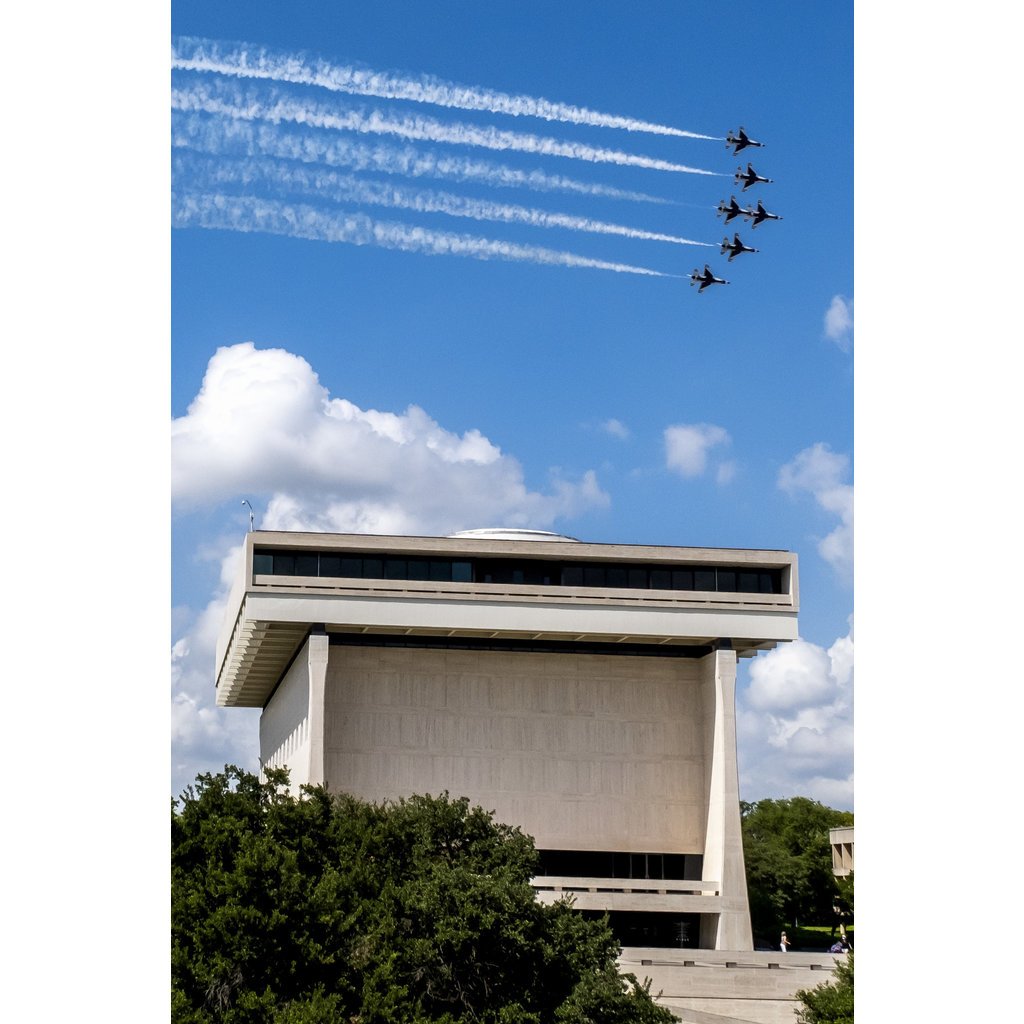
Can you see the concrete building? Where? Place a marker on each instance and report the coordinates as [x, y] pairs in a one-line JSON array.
[[585, 692], [842, 851]]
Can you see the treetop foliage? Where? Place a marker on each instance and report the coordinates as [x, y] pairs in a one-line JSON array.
[[325, 908], [788, 859]]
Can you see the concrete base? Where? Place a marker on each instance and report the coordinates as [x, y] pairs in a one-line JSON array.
[[703, 986]]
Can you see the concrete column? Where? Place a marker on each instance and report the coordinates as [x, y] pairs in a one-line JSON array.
[[723, 845], [317, 649]]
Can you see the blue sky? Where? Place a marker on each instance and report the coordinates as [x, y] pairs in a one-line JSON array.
[[594, 400]]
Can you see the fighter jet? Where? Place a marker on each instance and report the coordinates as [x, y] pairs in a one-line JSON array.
[[749, 177], [704, 279], [732, 209], [740, 140], [735, 247], [759, 215]]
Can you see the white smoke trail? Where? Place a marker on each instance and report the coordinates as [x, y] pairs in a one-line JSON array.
[[241, 213], [243, 61], [228, 100], [206, 174], [231, 136]]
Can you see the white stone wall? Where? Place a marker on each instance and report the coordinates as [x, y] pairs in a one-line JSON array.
[[582, 751], [284, 724]]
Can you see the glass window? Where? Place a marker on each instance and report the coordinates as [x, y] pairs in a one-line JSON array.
[[262, 563], [307, 565], [395, 569], [682, 579], [418, 568], [462, 572], [284, 564], [661, 579], [441, 572], [704, 579], [749, 583], [617, 576], [593, 576], [638, 579], [572, 576], [352, 568], [330, 565], [727, 580], [373, 569], [767, 581]]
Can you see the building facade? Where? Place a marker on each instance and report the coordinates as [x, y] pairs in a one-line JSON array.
[[585, 692]]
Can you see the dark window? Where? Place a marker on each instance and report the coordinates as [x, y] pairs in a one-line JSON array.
[[661, 579], [767, 580], [726, 581], [638, 579], [703, 579], [617, 576], [330, 565], [749, 583], [462, 572], [284, 564], [593, 575], [418, 568], [572, 576], [441, 572], [352, 568], [262, 564], [373, 569], [682, 579], [396, 569], [307, 565]]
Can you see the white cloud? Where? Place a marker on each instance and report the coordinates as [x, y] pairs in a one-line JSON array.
[[839, 322], [616, 428], [795, 723], [821, 472], [263, 424], [687, 446]]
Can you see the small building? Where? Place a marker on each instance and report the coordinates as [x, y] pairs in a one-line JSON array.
[[585, 692], [842, 851]]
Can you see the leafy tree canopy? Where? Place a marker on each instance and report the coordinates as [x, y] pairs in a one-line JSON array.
[[327, 909], [832, 1001], [789, 862]]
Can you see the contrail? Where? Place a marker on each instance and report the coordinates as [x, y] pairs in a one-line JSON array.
[[230, 101], [242, 61], [208, 174], [247, 138], [241, 213]]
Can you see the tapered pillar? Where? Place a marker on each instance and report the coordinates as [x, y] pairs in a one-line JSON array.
[[723, 846], [317, 651]]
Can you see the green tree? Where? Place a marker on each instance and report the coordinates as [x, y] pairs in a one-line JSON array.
[[832, 1001], [328, 909], [789, 862]]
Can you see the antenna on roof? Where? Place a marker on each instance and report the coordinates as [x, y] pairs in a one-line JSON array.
[[252, 515]]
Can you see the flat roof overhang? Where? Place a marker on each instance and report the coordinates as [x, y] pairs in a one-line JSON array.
[[269, 616]]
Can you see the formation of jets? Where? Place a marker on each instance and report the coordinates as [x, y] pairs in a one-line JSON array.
[[732, 209]]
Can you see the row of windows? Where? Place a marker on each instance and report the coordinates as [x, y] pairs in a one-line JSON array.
[[535, 572], [610, 864]]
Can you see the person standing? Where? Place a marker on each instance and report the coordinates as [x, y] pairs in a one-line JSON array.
[[784, 943]]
